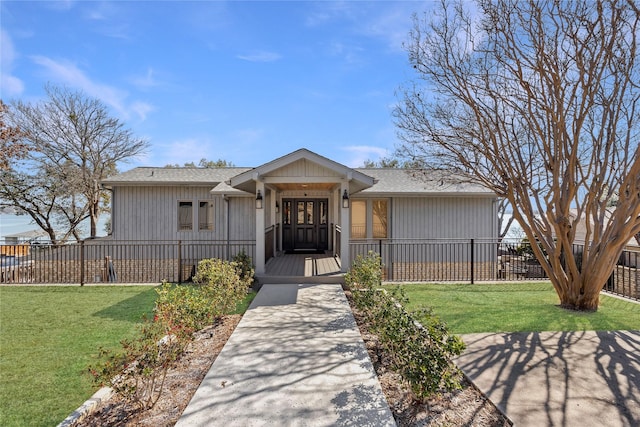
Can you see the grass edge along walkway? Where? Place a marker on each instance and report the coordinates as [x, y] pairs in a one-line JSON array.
[[516, 307]]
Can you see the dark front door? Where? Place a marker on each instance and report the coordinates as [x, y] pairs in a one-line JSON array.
[[304, 224]]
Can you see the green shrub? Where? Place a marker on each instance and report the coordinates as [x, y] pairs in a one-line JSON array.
[[183, 307], [137, 372], [365, 272], [244, 267], [363, 279], [420, 353], [221, 284]]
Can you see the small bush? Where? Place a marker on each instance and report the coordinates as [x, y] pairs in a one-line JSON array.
[[363, 279], [183, 308], [138, 371], [244, 267], [365, 272], [420, 353], [221, 284]]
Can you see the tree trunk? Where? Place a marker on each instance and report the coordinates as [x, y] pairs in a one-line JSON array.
[[94, 227], [580, 298], [94, 212], [582, 292]]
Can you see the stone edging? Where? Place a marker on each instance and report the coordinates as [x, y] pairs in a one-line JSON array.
[[87, 407]]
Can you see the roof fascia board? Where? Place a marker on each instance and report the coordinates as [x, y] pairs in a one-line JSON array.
[[159, 183], [425, 194], [302, 179]]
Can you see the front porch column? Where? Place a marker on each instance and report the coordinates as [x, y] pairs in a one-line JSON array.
[[259, 261], [345, 225], [274, 219]]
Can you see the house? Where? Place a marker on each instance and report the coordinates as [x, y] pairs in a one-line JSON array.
[[298, 202], [631, 255]]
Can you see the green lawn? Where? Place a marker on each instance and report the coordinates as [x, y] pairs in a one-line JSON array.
[[49, 336], [516, 307]]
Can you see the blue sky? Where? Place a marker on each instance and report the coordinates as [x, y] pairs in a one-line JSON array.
[[242, 81]]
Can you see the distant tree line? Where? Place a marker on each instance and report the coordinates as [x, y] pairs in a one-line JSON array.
[[204, 163]]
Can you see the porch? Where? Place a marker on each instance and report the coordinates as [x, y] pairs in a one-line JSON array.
[[321, 267]]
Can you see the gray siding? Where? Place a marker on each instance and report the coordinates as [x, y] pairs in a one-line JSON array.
[[151, 213], [443, 218], [302, 168], [242, 223]]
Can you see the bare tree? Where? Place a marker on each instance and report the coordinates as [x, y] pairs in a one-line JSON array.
[[537, 101], [46, 200], [73, 144], [11, 147]]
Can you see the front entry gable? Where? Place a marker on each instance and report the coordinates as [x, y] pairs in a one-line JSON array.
[[302, 167]]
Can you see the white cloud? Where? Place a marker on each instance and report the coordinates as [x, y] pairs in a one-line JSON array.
[[147, 80], [142, 109], [351, 53], [326, 12], [361, 153], [386, 21], [10, 85], [392, 25], [109, 19], [69, 74], [260, 56]]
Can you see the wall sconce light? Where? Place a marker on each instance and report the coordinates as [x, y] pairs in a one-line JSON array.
[[259, 200], [277, 208], [345, 200]]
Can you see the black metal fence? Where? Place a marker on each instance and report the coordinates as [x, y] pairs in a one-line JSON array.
[[108, 261], [474, 260]]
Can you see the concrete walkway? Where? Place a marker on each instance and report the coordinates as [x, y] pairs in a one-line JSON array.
[[295, 359], [587, 379]]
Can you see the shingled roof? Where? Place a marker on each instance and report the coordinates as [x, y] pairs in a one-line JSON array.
[[173, 176], [414, 182], [387, 181]]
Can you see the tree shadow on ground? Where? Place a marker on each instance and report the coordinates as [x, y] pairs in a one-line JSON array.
[[558, 378]]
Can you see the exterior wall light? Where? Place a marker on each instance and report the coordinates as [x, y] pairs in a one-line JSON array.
[[259, 200], [277, 208], [345, 200]]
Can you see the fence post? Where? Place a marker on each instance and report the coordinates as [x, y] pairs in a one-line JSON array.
[[179, 261], [82, 263], [381, 259], [472, 262]]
